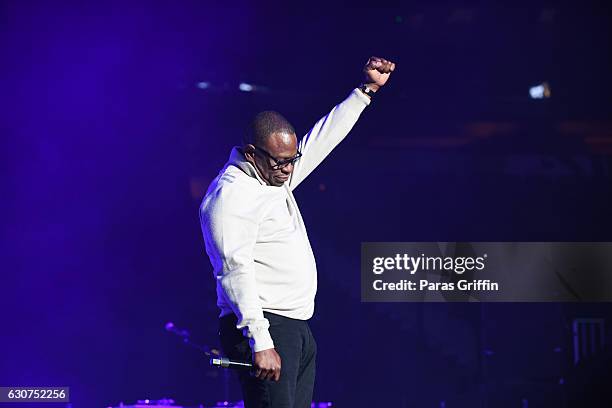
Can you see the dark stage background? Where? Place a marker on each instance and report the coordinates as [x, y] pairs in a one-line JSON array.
[[116, 117]]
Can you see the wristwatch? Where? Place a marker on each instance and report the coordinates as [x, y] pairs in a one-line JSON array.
[[369, 92]]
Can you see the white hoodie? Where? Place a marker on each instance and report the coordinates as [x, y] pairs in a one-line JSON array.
[[256, 238]]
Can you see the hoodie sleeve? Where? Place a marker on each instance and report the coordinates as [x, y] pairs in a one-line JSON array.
[[230, 230], [326, 134]]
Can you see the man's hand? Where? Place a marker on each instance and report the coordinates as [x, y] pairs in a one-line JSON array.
[[267, 364], [376, 72]]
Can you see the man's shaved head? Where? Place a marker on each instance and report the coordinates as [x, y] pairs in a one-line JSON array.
[[264, 125]]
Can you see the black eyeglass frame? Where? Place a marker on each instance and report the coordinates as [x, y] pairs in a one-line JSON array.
[[280, 163]]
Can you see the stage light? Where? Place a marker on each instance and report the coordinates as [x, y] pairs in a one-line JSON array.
[[540, 91], [203, 85], [244, 87]]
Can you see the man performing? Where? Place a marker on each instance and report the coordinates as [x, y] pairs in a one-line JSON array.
[[258, 246]]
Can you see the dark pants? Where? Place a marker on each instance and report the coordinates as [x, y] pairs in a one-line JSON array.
[[297, 348]]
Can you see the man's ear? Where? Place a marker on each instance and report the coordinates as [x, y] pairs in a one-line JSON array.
[[249, 153]]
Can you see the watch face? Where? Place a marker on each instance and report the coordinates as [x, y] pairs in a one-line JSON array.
[[367, 91]]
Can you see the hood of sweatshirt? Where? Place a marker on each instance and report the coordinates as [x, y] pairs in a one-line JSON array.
[[237, 159]]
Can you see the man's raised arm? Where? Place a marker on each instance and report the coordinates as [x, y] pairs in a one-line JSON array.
[[330, 130]]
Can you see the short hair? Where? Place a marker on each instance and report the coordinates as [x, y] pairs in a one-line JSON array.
[[264, 125]]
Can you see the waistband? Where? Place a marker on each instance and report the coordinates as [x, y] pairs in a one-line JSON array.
[[272, 317]]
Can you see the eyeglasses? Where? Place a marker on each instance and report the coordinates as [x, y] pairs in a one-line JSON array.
[[280, 163]]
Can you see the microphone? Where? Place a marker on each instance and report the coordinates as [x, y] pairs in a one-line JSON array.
[[217, 361], [224, 362]]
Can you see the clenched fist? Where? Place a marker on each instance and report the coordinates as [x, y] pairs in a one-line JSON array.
[[267, 365], [376, 72]]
